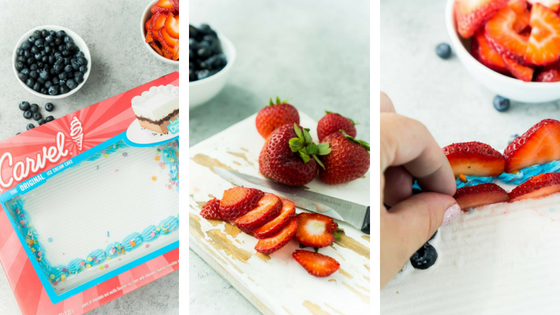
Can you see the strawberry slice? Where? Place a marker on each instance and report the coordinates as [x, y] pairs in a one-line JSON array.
[[518, 70], [539, 145], [554, 5], [316, 264], [485, 54], [550, 73], [273, 227], [237, 201], [544, 42], [149, 37], [474, 158], [501, 35], [537, 187], [211, 209], [522, 21], [480, 195], [175, 4], [163, 6], [156, 48], [472, 14], [519, 6], [268, 208], [274, 243], [172, 25], [315, 230], [158, 22]]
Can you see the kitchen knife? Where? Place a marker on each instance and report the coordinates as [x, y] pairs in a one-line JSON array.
[[352, 213]]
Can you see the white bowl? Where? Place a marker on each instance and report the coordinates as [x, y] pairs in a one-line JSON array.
[[514, 89], [201, 91], [77, 40], [145, 17]]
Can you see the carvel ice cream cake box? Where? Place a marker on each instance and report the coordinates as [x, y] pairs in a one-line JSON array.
[[90, 206]]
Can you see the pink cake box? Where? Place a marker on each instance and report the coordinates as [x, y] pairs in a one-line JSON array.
[[32, 156]]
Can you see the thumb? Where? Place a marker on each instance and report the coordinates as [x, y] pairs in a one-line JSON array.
[[413, 221]]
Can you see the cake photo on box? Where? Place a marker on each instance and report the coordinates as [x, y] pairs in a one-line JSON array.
[[502, 251], [90, 217], [158, 108]]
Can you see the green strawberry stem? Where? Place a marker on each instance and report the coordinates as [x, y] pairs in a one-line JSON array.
[[360, 142], [304, 146], [351, 120], [278, 101]]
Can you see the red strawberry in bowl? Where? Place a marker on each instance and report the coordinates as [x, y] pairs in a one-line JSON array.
[[481, 51], [348, 160], [536, 187], [275, 115], [289, 156], [554, 5], [550, 73], [474, 159], [501, 35], [333, 122], [472, 14], [544, 42]]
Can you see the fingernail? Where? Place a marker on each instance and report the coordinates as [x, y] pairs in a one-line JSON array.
[[451, 214]]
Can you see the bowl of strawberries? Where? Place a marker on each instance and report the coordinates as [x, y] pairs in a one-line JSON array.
[[160, 30], [512, 47]]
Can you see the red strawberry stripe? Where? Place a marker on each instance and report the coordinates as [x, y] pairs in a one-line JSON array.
[[268, 208], [274, 243], [274, 226], [479, 195], [316, 264], [544, 42], [537, 187]]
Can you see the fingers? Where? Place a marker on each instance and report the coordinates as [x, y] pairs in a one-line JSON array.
[[407, 142], [398, 185], [386, 104], [408, 225]]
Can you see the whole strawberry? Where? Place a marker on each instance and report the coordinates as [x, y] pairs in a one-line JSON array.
[[274, 116], [348, 160], [333, 122], [289, 156]]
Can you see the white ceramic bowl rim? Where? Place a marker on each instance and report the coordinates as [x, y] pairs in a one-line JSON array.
[[148, 12], [74, 36], [458, 45], [230, 62]]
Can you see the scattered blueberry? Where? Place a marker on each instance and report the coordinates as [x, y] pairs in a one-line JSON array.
[[34, 108], [49, 107], [41, 121], [30, 126], [37, 116], [27, 114], [425, 257], [24, 105], [49, 118], [443, 50], [501, 104]]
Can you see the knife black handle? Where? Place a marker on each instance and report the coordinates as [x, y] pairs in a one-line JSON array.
[[365, 225]]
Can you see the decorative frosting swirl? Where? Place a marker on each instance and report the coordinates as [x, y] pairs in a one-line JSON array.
[[169, 225], [150, 233], [132, 241]]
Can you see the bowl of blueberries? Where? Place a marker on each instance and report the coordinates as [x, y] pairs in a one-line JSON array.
[[211, 57], [51, 61]]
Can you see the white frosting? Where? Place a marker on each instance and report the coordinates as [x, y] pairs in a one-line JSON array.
[[157, 102]]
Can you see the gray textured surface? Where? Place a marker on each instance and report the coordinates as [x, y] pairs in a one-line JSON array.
[[315, 53], [441, 93], [120, 62]]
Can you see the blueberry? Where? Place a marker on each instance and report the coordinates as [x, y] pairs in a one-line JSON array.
[[49, 107], [30, 82], [19, 51], [48, 84], [30, 60], [44, 75], [49, 39], [203, 74], [425, 257], [58, 66], [66, 53], [501, 104], [78, 77], [68, 68], [70, 46], [26, 45], [55, 81], [63, 89], [41, 81], [19, 66], [80, 54], [39, 43], [30, 126], [23, 76], [41, 122], [34, 108], [53, 90], [68, 39], [83, 69], [58, 42], [38, 56], [71, 84], [63, 76], [34, 50], [44, 90], [52, 59], [193, 31], [443, 50], [37, 34], [37, 116], [24, 105], [82, 61], [49, 118], [33, 74], [22, 58], [31, 39], [60, 34], [27, 114]]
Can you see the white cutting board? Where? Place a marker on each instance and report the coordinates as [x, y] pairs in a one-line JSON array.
[[274, 284]]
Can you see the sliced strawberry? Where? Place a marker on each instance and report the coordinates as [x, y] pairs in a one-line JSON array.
[[501, 35], [172, 25], [167, 41], [482, 52], [544, 42], [163, 6], [539, 145], [550, 73], [475, 196], [472, 14], [554, 5], [156, 48], [273, 227], [519, 6], [175, 4], [522, 21], [474, 158], [537, 187], [518, 70], [274, 243], [149, 37], [237, 201], [316, 264], [211, 210], [175, 55], [315, 230], [158, 22], [268, 208]]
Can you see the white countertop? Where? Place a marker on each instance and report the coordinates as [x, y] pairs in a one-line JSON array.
[[111, 29]]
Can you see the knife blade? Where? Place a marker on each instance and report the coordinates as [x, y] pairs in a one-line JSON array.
[[342, 210]]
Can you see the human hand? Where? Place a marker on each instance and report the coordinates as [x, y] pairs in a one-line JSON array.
[[408, 151]]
